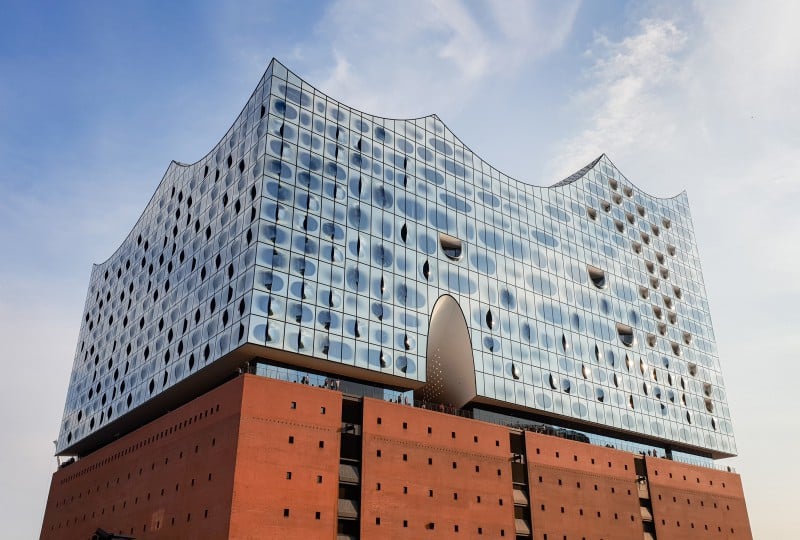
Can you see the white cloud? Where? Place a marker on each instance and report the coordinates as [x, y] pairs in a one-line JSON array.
[[412, 58], [624, 102]]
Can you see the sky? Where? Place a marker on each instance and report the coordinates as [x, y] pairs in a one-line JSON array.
[[96, 98]]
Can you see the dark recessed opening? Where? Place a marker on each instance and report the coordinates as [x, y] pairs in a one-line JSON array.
[[597, 276], [451, 246], [626, 335]]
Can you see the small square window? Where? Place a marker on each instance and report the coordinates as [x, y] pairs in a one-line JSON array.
[[379, 420], [475, 439], [322, 444], [285, 512], [405, 425], [455, 465], [405, 523], [379, 453], [430, 493], [455, 528], [291, 439], [377, 521], [288, 475], [405, 489], [378, 486], [477, 468], [317, 515], [294, 405], [319, 479], [430, 461], [322, 410], [405, 457], [455, 496], [429, 430], [480, 530], [452, 434]]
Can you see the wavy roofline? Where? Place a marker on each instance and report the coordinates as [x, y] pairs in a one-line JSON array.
[[577, 175]]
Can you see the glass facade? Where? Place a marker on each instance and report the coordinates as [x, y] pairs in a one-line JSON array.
[[316, 230]]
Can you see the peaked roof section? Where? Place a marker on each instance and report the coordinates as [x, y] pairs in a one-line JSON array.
[[578, 174]]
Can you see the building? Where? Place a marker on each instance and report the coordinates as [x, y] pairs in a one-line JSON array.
[[548, 352]]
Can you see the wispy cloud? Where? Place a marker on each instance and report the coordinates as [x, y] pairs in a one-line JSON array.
[[426, 56], [626, 101]]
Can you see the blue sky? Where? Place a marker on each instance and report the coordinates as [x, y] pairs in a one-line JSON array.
[[97, 97]]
